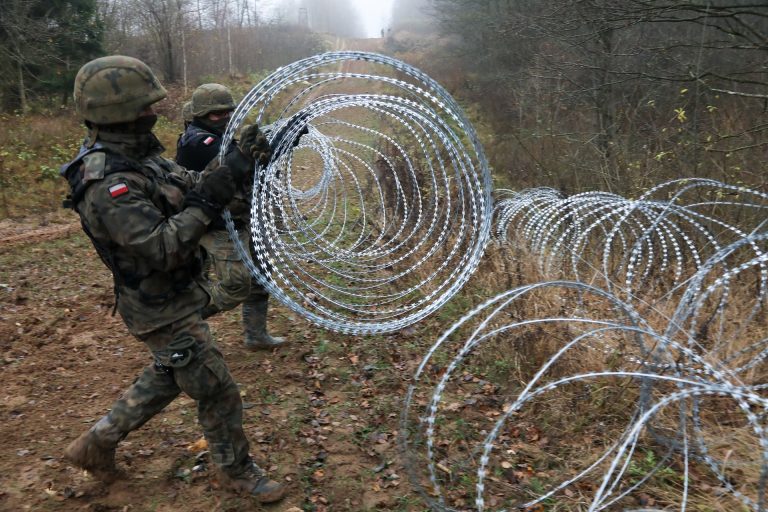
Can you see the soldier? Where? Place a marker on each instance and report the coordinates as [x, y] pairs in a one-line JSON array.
[[211, 107], [145, 216], [186, 114]]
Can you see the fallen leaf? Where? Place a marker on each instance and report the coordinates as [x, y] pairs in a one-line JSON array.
[[198, 446]]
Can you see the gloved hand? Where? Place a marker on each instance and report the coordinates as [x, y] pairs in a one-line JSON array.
[[214, 191], [254, 144], [241, 166], [288, 127]]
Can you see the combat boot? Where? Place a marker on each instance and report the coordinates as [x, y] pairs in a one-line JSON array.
[[94, 451], [255, 483], [255, 324]]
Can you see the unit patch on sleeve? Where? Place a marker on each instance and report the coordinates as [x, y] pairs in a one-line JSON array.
[[208, 140], [118, 190]]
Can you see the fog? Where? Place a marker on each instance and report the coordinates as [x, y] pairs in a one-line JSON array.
[[354, 18]]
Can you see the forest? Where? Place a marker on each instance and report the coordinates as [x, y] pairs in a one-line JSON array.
[[517, 248]]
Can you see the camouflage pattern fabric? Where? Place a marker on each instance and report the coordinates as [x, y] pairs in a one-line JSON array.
[[230, 283], [115, 89], [137, 215], [186, 113], [211, 98], [204, 377]]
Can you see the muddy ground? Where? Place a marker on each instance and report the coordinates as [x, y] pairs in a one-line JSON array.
[[321, 413]]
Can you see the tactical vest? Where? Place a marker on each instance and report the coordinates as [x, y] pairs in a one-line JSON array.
[[80, 174], [192, 150]]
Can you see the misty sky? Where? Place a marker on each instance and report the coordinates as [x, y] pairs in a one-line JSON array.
[[374, 14]]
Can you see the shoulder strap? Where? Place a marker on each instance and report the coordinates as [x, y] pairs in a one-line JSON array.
[[92, 165]]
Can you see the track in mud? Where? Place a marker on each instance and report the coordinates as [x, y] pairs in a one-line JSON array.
[[38, 235]]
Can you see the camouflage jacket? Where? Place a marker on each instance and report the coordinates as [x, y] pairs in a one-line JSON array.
[[196, 148], [133, 212]]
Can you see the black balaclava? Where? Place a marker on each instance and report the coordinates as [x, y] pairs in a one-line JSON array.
[[134, 139], [215, 127]]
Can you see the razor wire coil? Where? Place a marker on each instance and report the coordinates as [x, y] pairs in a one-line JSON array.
[[382, 211]]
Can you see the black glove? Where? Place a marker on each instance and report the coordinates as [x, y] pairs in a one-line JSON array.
[[240, 165], [213, 193], [254, 144], [288, 127]]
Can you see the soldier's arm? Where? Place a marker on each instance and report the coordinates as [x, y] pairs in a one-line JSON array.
[[121, 203], [188, 176]]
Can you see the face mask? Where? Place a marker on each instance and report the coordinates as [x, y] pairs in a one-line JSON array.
[[220, 124], [144, 124]]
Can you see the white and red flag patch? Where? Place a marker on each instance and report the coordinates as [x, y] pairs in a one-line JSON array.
[[118, 190], [208, 140]]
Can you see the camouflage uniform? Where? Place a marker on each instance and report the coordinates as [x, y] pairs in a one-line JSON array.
[[233, 285], [141, 214]]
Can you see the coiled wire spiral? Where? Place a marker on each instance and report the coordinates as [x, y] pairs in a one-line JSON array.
[[656, 380], [610, 387], [382, 211]]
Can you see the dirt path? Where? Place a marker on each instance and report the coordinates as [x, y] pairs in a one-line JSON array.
[[29, 236], [321, 414]]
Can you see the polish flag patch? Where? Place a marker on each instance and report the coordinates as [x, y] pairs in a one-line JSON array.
[[118, 190], [208, 140]]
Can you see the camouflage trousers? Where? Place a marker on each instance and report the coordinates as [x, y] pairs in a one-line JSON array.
[[187, 359], [229, 283]]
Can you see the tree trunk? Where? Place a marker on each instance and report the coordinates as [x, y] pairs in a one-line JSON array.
[[229, 51], [184, 58], [170, 71], [22, 91]]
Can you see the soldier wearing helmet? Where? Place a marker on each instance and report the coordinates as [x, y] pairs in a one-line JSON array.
[[145, 216], [186, 113], [211, 107]]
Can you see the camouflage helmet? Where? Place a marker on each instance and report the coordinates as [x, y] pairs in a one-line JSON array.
[[211, 97], [186, 112], [115, 89]]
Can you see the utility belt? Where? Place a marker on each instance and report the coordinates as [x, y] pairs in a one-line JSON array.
[[159, 288]]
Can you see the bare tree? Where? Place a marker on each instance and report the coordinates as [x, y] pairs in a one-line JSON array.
[[610, 83], [41, 44]]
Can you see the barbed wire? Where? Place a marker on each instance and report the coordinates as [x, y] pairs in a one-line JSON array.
[[626, 242], [382, 211], [667, 367]]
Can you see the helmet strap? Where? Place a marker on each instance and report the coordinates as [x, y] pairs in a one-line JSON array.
[[92, 136]]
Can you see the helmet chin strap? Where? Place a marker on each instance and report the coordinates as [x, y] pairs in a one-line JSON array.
[[93, 134]]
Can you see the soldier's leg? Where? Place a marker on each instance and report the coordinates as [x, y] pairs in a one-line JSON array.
[[235, 285], [204, 377], [230, 284], [94, 450], [255, 310]]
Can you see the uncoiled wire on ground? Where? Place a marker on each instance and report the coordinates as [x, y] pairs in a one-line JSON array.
[[678, 381], [630, 242], [658, 381]]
